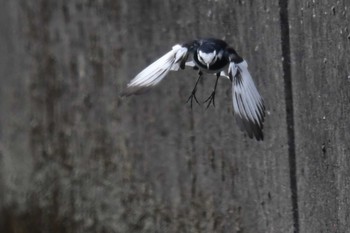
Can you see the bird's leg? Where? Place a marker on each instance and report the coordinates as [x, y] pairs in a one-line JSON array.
[[193, 94], [211, 98]]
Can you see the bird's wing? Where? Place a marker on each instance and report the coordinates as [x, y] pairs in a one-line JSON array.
[[190, 64], [155, 72], [248, 105]]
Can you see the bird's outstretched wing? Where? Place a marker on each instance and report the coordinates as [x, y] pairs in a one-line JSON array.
[[248, 105], [155, 72]]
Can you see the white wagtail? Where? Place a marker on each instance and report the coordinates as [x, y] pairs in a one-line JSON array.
[[212, 56]]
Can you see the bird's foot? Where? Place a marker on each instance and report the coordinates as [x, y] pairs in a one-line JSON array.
[[211, 99], [192, 96]]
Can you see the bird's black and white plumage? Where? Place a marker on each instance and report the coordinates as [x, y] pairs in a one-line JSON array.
[[216, 57]]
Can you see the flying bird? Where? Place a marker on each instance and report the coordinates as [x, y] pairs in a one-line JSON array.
[[213, 56]]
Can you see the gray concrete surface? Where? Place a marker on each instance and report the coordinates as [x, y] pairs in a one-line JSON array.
[[75, 157]]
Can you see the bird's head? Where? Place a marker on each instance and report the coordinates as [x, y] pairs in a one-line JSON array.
[[207, 57]]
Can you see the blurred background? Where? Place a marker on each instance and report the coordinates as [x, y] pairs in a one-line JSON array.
[[75, 157]]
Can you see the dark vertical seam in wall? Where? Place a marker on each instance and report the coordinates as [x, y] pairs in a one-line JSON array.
[[287, 75]]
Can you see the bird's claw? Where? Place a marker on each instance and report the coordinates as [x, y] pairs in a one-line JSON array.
[[211, 99], [193, 96]]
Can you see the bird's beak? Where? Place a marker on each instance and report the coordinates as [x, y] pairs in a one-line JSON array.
[[208, 66]]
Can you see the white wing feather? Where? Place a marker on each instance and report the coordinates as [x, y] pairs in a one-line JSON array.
[[247, 103], [155, 72]]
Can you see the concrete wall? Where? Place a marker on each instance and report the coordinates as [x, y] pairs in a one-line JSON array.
[[74, 157]]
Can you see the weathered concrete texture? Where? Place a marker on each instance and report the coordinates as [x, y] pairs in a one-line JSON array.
[[320, 36], [15, 157], [218, 179], [77, 158]]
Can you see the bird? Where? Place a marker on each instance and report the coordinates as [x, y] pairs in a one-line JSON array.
[[210, 56]]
